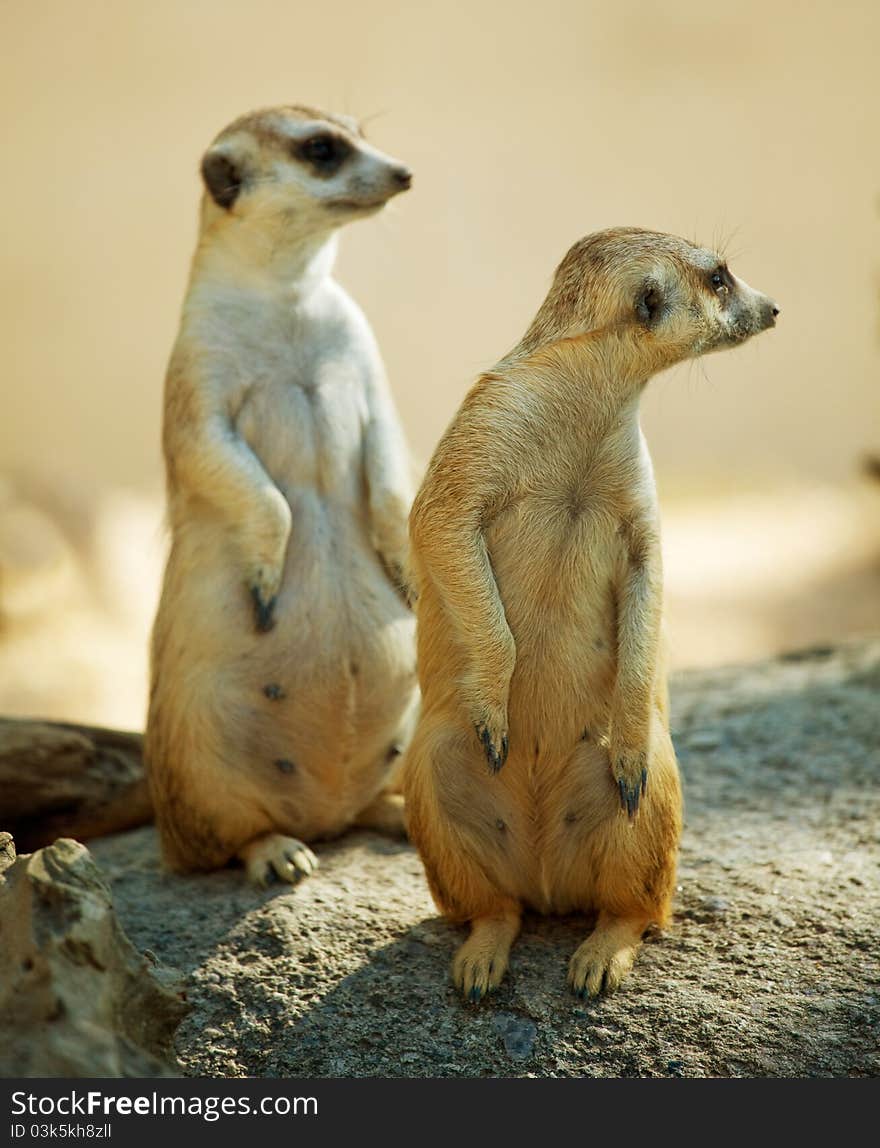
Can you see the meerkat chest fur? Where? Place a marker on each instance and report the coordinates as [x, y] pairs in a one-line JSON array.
[[293, 373], [559, 547]]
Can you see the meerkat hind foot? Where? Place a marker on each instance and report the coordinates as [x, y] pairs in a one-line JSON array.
[[481, 962], [602, 962], [385, 814], [274, 857]]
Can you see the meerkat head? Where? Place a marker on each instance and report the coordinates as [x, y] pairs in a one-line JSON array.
[[677, 300], [295, 171]]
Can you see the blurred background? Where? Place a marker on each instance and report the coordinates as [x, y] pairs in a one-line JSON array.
[[751, 126]]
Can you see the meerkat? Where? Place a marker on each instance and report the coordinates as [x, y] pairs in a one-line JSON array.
[[541, 773], [283, 650]]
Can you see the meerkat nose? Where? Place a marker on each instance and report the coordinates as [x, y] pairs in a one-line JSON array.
[[403, 176], [774, 307]]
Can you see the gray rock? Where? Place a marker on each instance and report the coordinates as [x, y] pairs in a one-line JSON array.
[[517, 1034], [715, 906], [76, 997]]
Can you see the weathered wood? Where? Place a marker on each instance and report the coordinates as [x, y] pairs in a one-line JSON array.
[[62, 780]]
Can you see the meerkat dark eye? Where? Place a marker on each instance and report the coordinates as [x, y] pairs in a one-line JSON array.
[[320, 149], [719, 280], [325, 153]]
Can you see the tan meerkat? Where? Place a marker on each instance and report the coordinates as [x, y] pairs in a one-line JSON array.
[[541, 773], [283, 651]]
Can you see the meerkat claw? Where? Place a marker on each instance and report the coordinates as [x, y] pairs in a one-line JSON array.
[[629, 795], [496, 757], [599, 988], [263, 610], [630, 771]]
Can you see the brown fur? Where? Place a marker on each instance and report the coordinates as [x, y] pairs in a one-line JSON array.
[[535, 554]]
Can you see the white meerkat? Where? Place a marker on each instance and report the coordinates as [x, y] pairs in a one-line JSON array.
[[283, 661]]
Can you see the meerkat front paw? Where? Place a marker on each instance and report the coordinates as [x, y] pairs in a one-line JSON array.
[[268, 545], [275, 857], [629, 768], [264, 609], [493, 736], [487, 703], [490, 723]]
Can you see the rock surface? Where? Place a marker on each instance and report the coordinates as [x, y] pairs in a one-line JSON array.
[[76, 998], [770, 967]]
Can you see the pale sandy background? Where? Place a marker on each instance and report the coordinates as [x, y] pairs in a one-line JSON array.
[[527, 125]]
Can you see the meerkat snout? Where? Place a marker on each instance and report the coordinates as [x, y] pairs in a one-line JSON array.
[[748, 313]]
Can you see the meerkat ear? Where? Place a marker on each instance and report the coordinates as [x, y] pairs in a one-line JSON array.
[[223, 177], [649, 303]]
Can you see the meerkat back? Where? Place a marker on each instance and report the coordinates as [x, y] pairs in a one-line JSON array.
[[282, 667]]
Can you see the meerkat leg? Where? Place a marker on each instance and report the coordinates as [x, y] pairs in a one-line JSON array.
[[471, 875], [481, 962], [453, 551], [385, 814], [220, 467], [389, 484], [274, 856], [638, 624], [607, 955], [633, 867]]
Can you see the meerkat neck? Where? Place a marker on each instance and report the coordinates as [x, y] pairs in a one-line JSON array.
[[598, 367], [262, 260]]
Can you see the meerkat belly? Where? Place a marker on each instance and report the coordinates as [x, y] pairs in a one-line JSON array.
[[555, 573], [336, 675], [554, 565], [314, 708]]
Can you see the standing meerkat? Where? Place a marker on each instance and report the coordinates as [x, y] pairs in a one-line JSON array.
[[283, 652], [541, 773]]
